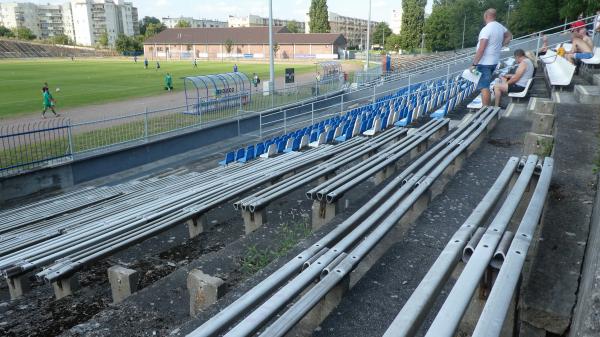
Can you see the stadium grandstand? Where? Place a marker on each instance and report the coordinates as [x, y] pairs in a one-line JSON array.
[[21, 49], [397, 205]]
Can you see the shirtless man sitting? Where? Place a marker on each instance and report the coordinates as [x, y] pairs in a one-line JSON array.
[[582, 44]]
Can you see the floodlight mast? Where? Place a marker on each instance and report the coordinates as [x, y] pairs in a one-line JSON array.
[[271, 53]]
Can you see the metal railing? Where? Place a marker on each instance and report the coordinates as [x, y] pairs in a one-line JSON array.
[[28, 146]]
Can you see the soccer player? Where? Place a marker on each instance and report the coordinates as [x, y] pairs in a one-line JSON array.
[[168, 82], [48, 102], [145, 63]]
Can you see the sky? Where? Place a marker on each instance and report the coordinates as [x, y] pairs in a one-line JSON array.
[[282, 9]]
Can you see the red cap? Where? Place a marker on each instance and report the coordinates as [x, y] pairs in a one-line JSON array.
[[578, 24]]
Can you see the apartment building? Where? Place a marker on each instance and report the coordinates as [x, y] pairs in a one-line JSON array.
[[194, 23], [258, 21], [84, 21], [353, 29]]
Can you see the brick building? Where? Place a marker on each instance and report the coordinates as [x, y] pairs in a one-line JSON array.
[[246, 42]]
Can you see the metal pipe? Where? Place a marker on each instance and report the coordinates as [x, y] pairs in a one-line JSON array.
[[414, 311], [453, 309], [472, 244], [500, 253], [494, 312]]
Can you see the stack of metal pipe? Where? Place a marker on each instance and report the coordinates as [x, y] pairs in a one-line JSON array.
[[335, 255]]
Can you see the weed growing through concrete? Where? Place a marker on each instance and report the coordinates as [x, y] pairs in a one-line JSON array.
[[256, 258]]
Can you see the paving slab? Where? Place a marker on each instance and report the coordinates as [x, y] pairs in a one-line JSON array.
[[548, 293]]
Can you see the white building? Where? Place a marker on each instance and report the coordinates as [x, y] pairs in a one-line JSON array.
[[353, 29], [194, 23], [13, 15], [259, 21], [396, 22], [84, 21]]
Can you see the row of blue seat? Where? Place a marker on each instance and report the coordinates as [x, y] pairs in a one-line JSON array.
[[411, 102]]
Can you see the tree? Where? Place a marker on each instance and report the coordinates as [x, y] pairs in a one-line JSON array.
[[126, 43], [228, 45], [293, 27], [23, 33], [154, 28], [61, 39], [438, 29], [393, 42], [146, 21], [381, 30], [183, 24], [319, 17], [5, 32], [572, 8], [103, 39], [533, 15], [413, 18]]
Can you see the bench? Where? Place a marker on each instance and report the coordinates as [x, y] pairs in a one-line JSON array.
[[559, 71], [522, 93], [595, 59]]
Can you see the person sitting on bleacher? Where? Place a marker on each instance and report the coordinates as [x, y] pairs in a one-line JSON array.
[[582, 44], [516, 82]]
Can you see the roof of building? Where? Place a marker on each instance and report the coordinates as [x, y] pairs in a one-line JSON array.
[[242, 35]]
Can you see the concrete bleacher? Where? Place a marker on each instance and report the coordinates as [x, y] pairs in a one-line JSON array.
[[22, 49]]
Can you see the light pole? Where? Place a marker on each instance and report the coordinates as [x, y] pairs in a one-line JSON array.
[[422, 42], [464, 26], [508, 13], [369, 36], [271, 61]]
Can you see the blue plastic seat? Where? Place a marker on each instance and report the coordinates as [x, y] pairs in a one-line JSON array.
[[229, 158], [295, 145], [260, 149], [346, 135], [250, 153], [281, 146], [240, 154], [329, 136]]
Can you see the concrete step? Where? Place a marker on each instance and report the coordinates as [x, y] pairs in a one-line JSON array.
[[587, 94], [596, 79]]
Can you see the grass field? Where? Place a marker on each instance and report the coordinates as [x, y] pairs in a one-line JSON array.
[[87, 81]]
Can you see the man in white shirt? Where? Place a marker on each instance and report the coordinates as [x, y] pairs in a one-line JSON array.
[[491, 39]]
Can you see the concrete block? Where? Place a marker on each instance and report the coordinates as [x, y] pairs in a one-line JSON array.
[[196, 225], [538, 144], [322, 213], [596, 79], [587, 94], [204, 290], [18, 285], [65, 287], [320, 311], [123, 282], [382, 175], [542, 123], [254, 220]]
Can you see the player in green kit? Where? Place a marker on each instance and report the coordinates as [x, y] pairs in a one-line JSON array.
[[48, 103], [168, 82]]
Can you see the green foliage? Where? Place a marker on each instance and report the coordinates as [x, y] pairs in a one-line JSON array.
[[126, 43], [319, 17], [528, 16], [23, 33], [293, 27], [438, 29], [393, 42], [146, 21], [153, 29], [183, 24], [256, 259], [5, 32], [381, 30], [413, 18], [103, 39], [571, 9], [228, 45], [61, 39]]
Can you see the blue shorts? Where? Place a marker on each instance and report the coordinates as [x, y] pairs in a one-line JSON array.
[[582, 56], [486, 75]]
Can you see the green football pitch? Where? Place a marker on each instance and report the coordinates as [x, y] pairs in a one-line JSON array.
[[87, 81]]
